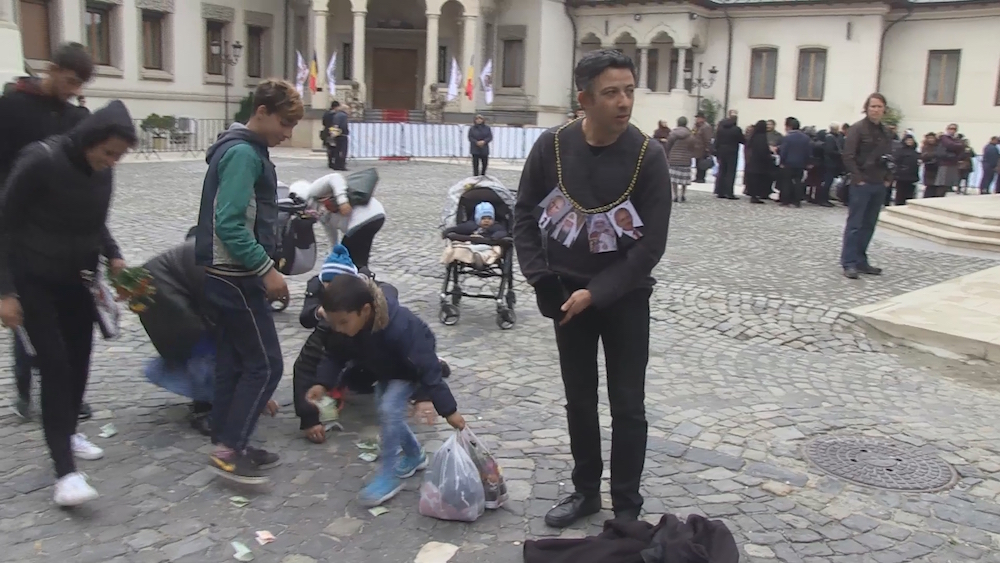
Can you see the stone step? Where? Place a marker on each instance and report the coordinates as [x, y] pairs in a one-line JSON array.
[[978, 209], [897, 222], [929, 217]]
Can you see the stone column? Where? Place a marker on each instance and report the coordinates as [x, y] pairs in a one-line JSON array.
[[470, 33], [321, 99], [358, 48], [431, 58], [681, 60], [644, 67]]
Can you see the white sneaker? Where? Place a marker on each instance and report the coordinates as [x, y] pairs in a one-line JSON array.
[[84, 448], [73, 490]]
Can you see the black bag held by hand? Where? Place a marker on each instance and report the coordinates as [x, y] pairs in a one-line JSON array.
[[361, 186]]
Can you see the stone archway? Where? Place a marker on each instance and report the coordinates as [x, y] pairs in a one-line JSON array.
[[660, 73]]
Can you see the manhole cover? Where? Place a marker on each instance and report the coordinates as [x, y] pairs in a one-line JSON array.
[[881, 463]]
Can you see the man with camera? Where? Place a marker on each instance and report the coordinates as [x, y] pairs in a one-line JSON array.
[[868, 160]]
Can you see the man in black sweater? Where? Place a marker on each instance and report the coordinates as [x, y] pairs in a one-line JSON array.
[[728, 139], [33, 110], [336, 141], [597, 286]]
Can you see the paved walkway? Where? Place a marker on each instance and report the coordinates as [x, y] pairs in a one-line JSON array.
[[752, 357]]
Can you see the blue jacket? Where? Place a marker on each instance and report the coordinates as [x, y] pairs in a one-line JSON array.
[[397, 345], [795, 150], [991, 156]]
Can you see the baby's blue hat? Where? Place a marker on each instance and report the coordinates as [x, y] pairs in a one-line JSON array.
[[485, 209], [338, 262]]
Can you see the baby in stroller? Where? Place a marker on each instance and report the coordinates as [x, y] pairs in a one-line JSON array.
[[479, 254]]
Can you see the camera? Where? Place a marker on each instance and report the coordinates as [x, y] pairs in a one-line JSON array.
[[889, 162]]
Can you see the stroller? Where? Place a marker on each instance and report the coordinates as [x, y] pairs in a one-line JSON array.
[[296, 242], [460, 207]]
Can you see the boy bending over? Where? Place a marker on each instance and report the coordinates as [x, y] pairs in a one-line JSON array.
[[398, 349]]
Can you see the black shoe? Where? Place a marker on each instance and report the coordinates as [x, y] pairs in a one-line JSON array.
[[825, 204], [755, 200], [732, 197], [202, 422], [630, 515], [445, 369], [720, 196], [85, 412], [684, 199], [798, 204], [263, 459], [870, 270], [571, 509], [238, 468], [676, 200], [851, 273], [22, 408]]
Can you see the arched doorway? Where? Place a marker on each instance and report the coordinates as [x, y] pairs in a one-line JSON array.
[[396, 38]]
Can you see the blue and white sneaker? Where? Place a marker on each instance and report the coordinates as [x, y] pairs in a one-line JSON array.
[[381, 489], [408, 466]]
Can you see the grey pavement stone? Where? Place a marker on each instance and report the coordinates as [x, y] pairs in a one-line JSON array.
[[751, 353]]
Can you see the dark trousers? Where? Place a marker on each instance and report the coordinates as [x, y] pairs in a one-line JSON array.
[[935, 191], [248, 362], [726, 176], [359, 243], [823, 192], [480, 161], [699, 174], [863, 208], [336, 154], [59, 320], [988, 177], [791, 186], [904, 191], [623, 327], [23, 365]]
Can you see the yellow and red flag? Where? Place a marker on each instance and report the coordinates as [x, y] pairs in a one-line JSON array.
[[468, 83], [313, 73]]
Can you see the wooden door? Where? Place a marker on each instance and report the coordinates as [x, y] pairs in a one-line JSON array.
[[394, 79]]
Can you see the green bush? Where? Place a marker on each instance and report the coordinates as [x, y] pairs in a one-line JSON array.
[[711, 108], [893, 116], [158, 125]]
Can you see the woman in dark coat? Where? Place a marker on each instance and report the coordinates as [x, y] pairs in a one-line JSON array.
[[929, 156], [907, 169], [480, 137], [53, 229], [758, 165]]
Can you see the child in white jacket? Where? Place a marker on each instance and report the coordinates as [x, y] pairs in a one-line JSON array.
[[353, 227]]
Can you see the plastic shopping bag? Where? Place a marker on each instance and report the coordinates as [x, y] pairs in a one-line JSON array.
[[489, 470], [452, 489]]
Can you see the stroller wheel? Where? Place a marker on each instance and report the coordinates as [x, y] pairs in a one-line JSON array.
[[449, 314], [506, 319], [279, 305]]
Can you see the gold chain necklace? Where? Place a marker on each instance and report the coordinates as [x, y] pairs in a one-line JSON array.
[[603, 208]]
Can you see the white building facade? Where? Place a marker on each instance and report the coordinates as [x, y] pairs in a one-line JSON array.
[[937, 61]]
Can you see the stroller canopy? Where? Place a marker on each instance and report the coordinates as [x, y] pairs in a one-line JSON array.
[[458, 207]]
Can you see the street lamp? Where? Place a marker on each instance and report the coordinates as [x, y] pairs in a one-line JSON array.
[[230, 55], [700, 82]]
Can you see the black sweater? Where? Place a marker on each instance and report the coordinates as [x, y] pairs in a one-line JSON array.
[[54, 209], [594, 180]]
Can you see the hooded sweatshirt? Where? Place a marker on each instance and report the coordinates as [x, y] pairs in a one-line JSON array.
[[54, 209], [728, 138], [28, 115], [236, 233], [176, 319]]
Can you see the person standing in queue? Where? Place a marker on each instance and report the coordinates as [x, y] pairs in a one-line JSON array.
[[35, 109], [728, 138], [618, 180], [336, 128], [234, 242], [53, 228], [868, 144], [480, 137]]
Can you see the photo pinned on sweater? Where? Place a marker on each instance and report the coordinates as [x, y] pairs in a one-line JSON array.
[[554, 207], [626, 220], [600, 233], [569, 228]]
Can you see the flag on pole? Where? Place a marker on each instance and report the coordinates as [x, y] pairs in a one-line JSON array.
[[313, 73], [455, 80], [468, 80], [331, 74], [486, 79], [302, 75]]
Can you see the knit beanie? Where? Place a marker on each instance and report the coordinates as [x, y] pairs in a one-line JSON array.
[[485, 209], [338, 262]]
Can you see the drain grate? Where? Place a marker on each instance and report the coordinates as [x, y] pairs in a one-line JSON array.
[[881, 463]]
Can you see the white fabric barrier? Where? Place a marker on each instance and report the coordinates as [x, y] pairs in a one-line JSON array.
[[436, 140]]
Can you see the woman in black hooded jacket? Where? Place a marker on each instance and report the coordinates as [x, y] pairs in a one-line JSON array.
[[759, 164], [53, 227], [907, 172]]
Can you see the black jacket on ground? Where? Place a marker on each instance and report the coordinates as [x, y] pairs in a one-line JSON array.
[[728, 138], [54, 208], [480, 132], [175, 320], [27, 115], [698, 540]]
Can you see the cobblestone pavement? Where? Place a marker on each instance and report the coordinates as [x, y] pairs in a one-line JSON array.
[[752, 356]]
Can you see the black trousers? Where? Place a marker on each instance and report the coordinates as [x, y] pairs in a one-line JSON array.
[[904, 191], [359, 243], [336, 154], [791, 186], [726, 177], [699, 174], [59, 320], [477, 161], [23, 366], [623, 329]]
